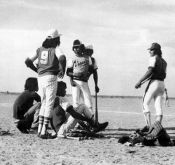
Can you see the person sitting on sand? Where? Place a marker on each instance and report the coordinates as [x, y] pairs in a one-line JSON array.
[[24, 107], [65, 117]]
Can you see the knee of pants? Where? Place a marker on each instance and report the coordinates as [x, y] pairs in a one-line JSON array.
[[48, 110], [75, 105], [146, 108], [41, 112], [91, 109], [80, 108], [84, 109], [158, 108], [88, 103], [159, 112]]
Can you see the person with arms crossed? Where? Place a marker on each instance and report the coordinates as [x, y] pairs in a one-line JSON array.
[[155, 89], [77, 70], [49, 68]]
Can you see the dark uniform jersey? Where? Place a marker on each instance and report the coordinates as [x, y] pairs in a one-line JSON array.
[[47, 61], [23, 102], [159, 68]]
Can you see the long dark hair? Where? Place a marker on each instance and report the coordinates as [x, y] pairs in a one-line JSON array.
[[31, 84], [51, 42], [158, 52]]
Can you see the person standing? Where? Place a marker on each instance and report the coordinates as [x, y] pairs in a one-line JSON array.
[[77, 70], [155, 89], [49, 67], [93, 68], [167, 104]]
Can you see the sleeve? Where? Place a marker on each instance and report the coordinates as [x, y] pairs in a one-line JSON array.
[[58, 52], [36, 97], [152, 61]]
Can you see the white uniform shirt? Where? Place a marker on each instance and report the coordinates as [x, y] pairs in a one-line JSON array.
[[152, 61], [80, 65]]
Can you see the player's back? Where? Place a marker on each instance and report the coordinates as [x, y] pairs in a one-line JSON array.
[[47, 61]]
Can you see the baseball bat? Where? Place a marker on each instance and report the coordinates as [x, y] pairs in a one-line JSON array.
[[96, 109]]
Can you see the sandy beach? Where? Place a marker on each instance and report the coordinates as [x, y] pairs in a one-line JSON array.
[[27, 149]]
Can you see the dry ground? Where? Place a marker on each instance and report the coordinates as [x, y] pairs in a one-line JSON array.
[[27, 149]]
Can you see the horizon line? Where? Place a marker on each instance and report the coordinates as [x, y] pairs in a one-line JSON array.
[[102, 96]]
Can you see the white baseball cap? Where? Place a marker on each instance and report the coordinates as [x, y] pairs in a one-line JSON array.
[[53, 33], [89, 47]]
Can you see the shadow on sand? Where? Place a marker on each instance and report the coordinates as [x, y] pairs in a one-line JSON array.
[[117, 133], [5, 133]]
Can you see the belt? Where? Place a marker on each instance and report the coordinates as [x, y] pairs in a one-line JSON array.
[[76, 78]]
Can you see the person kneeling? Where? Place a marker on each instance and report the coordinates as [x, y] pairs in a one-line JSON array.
[[24, 107]]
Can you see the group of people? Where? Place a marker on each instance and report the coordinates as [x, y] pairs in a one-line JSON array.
[[51, 64], [61, 114]]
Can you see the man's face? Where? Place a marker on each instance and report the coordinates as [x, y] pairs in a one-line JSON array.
[[151, 52], [77, 50], [89, 52]]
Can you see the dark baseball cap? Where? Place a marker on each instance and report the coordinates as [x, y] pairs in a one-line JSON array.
[[154, 46], [76, 43]]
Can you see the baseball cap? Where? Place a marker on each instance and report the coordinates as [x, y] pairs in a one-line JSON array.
[[89, 47], [76, 43], [154, 46], [53, 33]]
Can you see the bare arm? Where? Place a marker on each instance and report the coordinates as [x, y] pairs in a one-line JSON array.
[[76, 115], [29, 62], [146, 76], [62, 66], [95, 76]]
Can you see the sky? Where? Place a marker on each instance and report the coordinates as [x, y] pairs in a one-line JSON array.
[[120, 31]]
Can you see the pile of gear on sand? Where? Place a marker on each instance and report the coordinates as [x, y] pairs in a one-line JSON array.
[[155, 135]]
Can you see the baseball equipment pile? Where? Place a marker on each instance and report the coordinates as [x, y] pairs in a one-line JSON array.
[[155, 135], [83, 132]]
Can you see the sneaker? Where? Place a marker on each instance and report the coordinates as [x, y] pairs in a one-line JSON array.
[[47, 136], [61, 136], [100, 127]]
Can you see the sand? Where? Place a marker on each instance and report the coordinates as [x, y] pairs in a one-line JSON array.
[[28, 149]]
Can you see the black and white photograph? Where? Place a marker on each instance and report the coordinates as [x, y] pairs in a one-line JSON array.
[[87, 82]]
